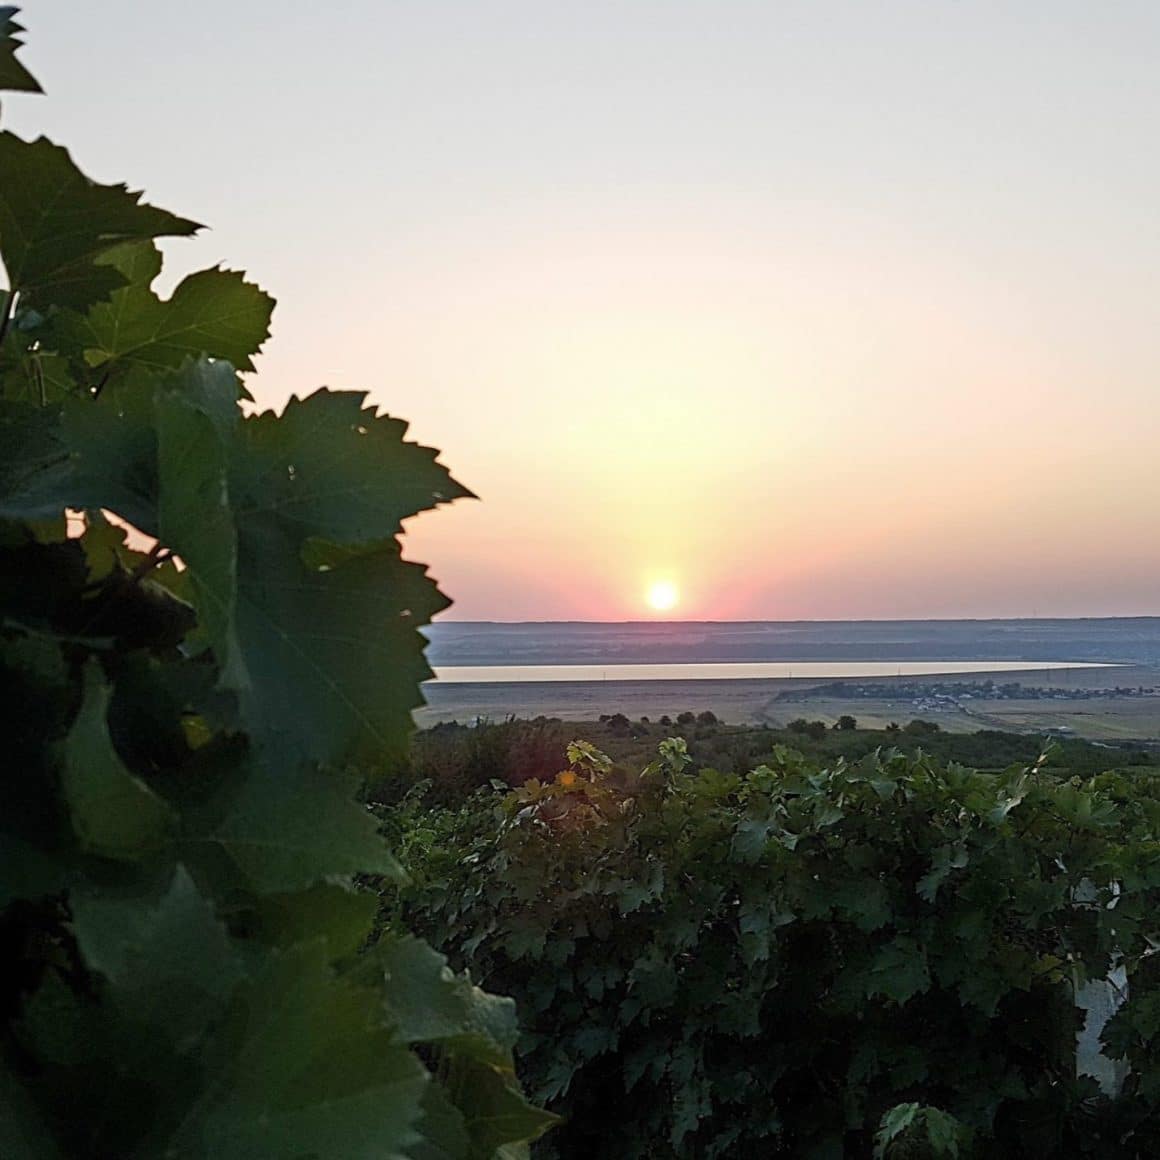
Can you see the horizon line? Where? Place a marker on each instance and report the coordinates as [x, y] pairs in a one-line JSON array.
[[815, 620]]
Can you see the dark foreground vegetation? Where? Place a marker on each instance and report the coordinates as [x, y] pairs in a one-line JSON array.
[[180, 828]]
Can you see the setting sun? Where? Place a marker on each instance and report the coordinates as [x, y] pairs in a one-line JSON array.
[[662, 596]]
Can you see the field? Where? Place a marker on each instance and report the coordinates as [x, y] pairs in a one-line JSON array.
[[1068, 702]]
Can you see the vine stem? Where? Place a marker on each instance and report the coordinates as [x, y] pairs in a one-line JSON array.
[[6, 317], [156, 557], [100, 386], [38, 377]]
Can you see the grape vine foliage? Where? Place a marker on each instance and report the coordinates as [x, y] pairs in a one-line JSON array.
[[206, 632]]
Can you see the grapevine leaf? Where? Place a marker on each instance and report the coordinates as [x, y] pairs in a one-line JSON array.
[[105, 548], [308, 1071], [28, 372], [49, 378], [169, 964], [946, 859], [34, 462], [78, 1043], [943, 1132], [13, 75], [213, 312], [495, 1113], [899, 970], [320, 642], [286, 829], [330, 646], [586, 756], [37, 692], [28, 871], [194, 516], [330, 911], [102, 454], [83, 454], [54, 223], [442, 1132], [113, 813], [23, 1132], [426, 1003], [893, 1124], [329, 468], [1011, 797], [751, 836]]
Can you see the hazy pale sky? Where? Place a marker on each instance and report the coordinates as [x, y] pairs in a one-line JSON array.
[[814, 310]]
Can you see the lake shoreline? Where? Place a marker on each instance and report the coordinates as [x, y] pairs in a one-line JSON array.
[[747, 670]]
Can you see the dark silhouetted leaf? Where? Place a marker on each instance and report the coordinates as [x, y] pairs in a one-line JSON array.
[[55, 222]]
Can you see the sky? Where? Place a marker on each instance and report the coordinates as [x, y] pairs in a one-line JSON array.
[[808, 310]]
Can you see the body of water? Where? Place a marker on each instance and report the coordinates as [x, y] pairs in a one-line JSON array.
[[806, 670]]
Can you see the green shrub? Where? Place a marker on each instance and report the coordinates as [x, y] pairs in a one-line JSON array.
[[810, 962], [459, 759], [920, 728], [815, 730]]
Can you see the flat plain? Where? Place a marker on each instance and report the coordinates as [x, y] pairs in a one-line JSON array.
[[1082, 702]]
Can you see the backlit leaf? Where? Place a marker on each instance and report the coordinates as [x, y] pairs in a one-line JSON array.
[[426, 1002], [308, 1071], [342, 916], [287, 828], [54, 223], [167, 963], [213, 312], [13, 75], [494, 1112], [329, 468]]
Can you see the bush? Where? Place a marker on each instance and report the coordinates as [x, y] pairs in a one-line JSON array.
[[920, 728], [686, 718], [845, 723], [815, 730], [459, 759], [812, 962]]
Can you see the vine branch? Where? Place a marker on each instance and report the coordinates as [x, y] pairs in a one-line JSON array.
[[156, 556], [6, 316]]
